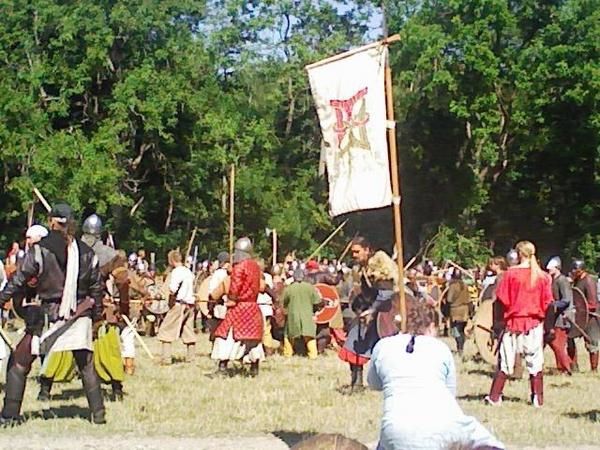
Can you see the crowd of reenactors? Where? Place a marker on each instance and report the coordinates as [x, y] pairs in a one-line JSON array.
[[84, 303]]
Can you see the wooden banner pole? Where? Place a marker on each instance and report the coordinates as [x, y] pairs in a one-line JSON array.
[[391, 131], [274, 236], [231, 210]]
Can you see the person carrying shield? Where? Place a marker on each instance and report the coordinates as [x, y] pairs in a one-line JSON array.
[[70, 289], [378, 276], [525, 292], [587, 284]]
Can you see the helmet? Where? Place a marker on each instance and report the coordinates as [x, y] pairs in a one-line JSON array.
[[512, 257], [242, 249], [554, 263], [577, 264], [223, 257], [92, 225]]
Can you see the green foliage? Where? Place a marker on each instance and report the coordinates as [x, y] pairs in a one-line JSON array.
[[588, 249], [469, 251], [136, 109]]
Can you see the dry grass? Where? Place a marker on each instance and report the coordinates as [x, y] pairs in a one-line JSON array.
[[294, 397]]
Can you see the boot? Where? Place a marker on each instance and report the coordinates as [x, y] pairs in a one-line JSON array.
[[572, 352], [16, 378], [254, 369], [495, 396], [117, 388], [45, 388], [165, 359], [191, 353], [353, 375], [537, 389], [594, 361], [91, 385], [129, 366]]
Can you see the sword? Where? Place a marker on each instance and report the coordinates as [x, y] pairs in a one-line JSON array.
[[50, 340], [137, 335]]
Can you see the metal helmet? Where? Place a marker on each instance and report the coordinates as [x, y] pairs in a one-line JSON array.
[[242, 249], [554, 263], [512, 257], [92, 225], [577, 264]]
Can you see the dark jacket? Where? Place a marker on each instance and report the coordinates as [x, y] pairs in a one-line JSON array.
[[46, 262], [563, 301]]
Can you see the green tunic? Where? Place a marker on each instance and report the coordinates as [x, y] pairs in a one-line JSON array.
[[298, 300]]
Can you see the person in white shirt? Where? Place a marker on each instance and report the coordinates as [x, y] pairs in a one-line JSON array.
[[179, 321]]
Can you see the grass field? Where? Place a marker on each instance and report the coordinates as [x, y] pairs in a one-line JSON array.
[[296, 397]]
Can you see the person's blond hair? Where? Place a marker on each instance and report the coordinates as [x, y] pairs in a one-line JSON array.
[[174, 256], [526, 252]]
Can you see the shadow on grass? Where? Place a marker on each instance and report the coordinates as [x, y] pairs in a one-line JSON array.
[[592, 416], [59, 412], [479, 398], [68, 394], [487, 373], [291, 438]]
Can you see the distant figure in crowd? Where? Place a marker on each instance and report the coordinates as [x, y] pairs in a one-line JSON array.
[[558, 315], [179, 321], [525, 292], [459, 300], [300, 299], [587, 284], [416, 373], [239, 335]]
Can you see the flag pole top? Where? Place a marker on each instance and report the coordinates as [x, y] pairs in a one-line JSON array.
[[388, 40]]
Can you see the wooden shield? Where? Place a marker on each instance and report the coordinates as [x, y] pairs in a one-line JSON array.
[[484, 331], [582, 315], [202, 295], [331, 298]]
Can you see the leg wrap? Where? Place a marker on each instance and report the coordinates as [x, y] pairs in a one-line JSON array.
[[16, 378], [91, 384]]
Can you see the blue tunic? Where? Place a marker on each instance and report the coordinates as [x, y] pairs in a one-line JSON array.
[[419, 408]]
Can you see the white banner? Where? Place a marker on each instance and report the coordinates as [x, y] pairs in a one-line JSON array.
[[350, 99]]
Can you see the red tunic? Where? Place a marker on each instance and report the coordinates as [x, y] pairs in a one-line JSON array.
[[524, 304], [245, 317]]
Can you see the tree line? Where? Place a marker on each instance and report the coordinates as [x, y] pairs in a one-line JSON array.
[[137, 109]]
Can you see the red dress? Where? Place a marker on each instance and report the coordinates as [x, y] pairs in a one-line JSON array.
[[524, 304], [245, 317]]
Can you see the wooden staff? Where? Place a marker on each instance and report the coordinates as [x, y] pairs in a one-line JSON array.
[[42, 199], [391, 135], [410, 262], [274, 237], [386, 41], [231, 210], [137, 335], [190, 243], [465, 271], [329, 238]]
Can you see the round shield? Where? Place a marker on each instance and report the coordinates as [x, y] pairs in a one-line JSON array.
[[330, 296], [158, 307], [485, 339], [582, 315], [202, 295]]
